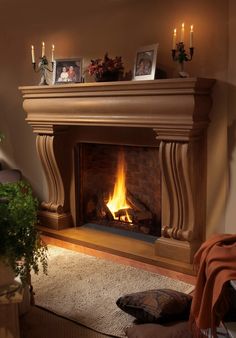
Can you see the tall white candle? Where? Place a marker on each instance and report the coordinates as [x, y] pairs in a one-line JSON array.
[[182, 33], [43, 49], [191, 37], [53, 49], [174, 39], [32, 54]]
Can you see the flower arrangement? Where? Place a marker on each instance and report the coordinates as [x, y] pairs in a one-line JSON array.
[[106, 69]]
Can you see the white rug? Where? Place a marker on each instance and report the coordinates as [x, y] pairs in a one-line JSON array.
[[85, 289]]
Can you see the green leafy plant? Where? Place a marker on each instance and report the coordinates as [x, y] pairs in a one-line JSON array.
[[20, 244]]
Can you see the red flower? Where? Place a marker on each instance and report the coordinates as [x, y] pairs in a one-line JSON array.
[[98, 67]]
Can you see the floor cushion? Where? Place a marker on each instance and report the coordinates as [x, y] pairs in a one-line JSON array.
[[173, 330], [156, 306]]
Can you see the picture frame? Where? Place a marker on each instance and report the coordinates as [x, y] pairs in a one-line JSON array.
[[145, 62], [66, 71]]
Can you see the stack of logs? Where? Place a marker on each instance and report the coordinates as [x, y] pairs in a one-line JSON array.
[[141, 217]]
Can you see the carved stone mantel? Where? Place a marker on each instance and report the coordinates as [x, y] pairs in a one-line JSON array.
[[175, 111]]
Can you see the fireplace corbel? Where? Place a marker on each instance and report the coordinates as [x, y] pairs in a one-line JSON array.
[[50, 140], [173, 110], [183, 167]]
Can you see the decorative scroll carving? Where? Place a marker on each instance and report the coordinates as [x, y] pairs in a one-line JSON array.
[[56, 195], [179, 222]]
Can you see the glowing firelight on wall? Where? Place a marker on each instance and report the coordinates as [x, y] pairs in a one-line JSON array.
[[118, 200]]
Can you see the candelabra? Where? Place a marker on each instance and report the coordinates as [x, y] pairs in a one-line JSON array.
[[179, 54], [43, 68]]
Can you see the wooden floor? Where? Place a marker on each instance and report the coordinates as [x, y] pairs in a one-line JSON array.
[[121, 249]]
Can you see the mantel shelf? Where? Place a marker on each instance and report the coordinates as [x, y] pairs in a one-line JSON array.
[[156, 104], [171, 86]]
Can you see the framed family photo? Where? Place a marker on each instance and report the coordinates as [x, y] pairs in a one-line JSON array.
[[145, 63], [67, 71]]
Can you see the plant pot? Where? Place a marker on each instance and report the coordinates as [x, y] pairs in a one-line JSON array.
[[7, 276], [107, 77], [9, 284]]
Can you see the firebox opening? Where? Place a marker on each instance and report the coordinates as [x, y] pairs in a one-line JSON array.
[[120, 187]]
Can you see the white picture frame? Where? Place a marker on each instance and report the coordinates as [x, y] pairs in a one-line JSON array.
[[145, 62]]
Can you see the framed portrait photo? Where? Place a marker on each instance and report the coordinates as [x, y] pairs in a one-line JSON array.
[[67, 71], [145, 63]]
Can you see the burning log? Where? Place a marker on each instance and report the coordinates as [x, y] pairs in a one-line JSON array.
[[137, 217], [96, 208], [123, 212], [109, 215], [104, 210], [135, 203], [142, 216]]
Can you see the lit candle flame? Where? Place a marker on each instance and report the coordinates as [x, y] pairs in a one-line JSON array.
[[32, 54], [174, 39], [43, 49], [191, 37], [182, 32], [53, 49]]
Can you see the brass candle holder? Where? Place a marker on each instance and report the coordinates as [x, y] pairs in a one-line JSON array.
[[43, 68], [179, 54]]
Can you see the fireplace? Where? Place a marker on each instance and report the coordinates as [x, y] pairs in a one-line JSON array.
[[119, 186], [169, 117]]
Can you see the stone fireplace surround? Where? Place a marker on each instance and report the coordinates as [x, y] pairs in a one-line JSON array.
[[171, 114]]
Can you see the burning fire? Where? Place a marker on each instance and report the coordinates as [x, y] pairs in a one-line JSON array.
[[118, 200]]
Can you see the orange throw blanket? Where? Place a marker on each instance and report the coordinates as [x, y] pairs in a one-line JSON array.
[[216, 265]]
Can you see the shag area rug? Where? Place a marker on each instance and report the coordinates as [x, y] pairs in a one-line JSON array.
[[84, 288]]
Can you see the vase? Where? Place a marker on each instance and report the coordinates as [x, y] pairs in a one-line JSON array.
[[9, 284], [107, 77]]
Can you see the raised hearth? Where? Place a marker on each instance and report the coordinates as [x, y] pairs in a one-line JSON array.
[[171, 114]]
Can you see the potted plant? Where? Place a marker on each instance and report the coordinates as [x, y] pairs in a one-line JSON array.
[[106, 69], [21, 247]]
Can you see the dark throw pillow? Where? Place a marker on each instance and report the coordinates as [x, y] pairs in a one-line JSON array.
[[156, 306]]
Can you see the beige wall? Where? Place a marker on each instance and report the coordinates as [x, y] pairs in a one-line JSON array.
[[231, 198], [89, 29]]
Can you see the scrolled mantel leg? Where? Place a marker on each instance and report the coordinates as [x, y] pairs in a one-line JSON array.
[[182, 191], [54, 212]]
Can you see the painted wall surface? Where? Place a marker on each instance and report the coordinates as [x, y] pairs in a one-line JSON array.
[[231, 198], [119, 27]]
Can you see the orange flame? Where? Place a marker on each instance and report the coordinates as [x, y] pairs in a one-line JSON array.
[[118, 200]]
